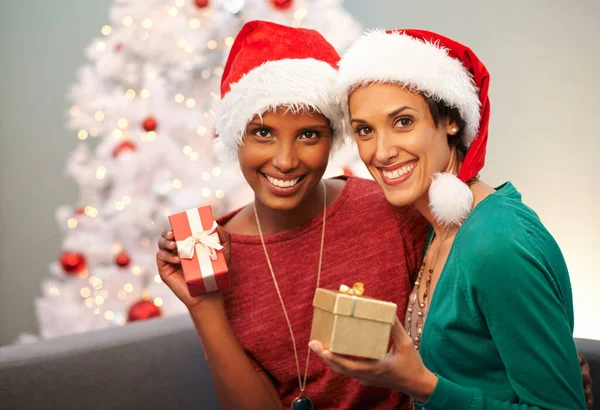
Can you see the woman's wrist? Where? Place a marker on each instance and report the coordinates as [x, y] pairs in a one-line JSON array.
[[423, 386], [207, 302]]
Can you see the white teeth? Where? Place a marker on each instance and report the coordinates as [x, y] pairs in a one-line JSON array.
[[283, 183], [397, 173]]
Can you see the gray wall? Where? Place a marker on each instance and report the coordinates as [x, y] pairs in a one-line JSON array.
[[542, 54], [41, 48]]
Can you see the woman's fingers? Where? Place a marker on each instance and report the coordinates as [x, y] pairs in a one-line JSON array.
[[345, 366], [167, 257], [225, 239], [167, 245]]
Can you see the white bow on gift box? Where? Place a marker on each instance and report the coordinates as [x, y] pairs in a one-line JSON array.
[[205, 244]]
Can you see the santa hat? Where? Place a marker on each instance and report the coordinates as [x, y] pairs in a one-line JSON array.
[[439, 68], [272, 66]]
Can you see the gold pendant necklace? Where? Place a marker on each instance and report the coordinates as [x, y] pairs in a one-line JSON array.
[[421, 306], [301, 402]]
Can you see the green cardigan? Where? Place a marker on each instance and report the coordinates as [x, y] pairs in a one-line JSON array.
[[499, 332]]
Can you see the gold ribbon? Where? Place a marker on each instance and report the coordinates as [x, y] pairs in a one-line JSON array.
[[358, 289]]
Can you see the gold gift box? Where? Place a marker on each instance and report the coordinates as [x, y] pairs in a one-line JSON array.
[[352, 325]]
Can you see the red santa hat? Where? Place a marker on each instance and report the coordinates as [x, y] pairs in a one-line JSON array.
[[272, 66], [439, 68]]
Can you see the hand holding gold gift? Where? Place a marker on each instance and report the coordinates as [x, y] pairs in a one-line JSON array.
[[347, 322]]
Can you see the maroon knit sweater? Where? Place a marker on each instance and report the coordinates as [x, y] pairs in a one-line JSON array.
[[366, 240]]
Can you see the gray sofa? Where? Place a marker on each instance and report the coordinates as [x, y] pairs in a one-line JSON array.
[[157, 364]]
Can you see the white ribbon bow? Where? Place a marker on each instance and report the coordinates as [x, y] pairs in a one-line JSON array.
[[204, 242]]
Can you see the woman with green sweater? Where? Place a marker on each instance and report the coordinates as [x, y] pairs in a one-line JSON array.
[[489, 323]]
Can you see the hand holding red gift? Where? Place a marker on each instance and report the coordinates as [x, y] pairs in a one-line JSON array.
[[171, 272]]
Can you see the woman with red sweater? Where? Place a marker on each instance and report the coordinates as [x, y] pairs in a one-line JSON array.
[[281, 119]]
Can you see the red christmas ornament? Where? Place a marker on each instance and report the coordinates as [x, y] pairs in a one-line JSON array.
[[79, 211], [125, 146], [142, 310], [282, 4], [118, 47], [149, 124], [123, 259], [202, 3], [73, 263]]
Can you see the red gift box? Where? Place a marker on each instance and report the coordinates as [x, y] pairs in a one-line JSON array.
[[200, 250]]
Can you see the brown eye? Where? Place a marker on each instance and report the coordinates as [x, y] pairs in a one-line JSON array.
[[308, 135], [263, 133], [403, 122], [363, 131]]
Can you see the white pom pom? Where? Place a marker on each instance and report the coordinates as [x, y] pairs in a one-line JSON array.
[[450, 199]]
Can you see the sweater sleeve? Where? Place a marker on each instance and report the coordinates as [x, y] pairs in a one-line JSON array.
[[520, 297]]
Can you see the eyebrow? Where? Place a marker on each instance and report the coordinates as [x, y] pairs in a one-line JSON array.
[[399, 110], [390, 115], [303, 129], [313, 127], [258, 124]]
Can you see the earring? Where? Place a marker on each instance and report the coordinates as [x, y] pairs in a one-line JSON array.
[[454, 130]]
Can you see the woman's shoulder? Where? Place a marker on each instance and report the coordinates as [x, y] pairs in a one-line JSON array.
[[502, 232], [502, 216], [237, 221], [360, 185], [368, 202], [365, 192], [363, 198]]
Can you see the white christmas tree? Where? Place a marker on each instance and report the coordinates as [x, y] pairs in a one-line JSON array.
[[144, 111]]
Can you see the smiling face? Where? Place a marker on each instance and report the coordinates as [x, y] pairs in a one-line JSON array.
[[399, 141], [284, 156]]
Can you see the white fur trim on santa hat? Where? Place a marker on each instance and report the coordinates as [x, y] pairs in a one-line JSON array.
[[450, 199], [297, 84], [397, 58]]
